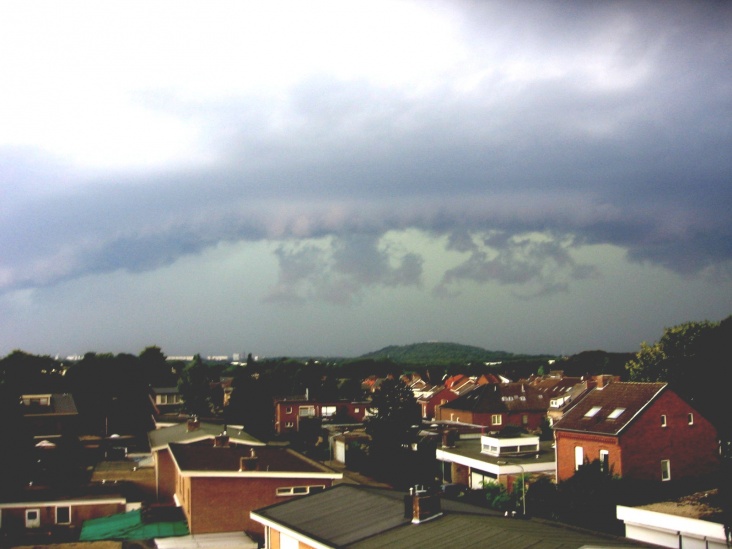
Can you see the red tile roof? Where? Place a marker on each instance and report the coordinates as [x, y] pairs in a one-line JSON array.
[[594, 413]]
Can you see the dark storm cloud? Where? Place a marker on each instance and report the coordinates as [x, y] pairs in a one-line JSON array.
[[591, 123], [338, 270]]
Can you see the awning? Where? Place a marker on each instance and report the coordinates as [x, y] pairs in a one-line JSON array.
[[130, 526]]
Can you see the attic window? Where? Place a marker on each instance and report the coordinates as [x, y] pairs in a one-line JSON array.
[[615, 414], [592, 411]]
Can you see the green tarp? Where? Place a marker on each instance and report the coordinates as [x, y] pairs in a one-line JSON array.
[[130, 526]]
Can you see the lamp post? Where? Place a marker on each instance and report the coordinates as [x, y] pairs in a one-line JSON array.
[[523, 482]]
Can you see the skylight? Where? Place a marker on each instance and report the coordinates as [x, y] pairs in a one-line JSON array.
[[615, 414], [592, 411]]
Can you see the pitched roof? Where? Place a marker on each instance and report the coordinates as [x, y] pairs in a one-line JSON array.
[[358, 516], [500, 397], [186, 433], [610, 409]]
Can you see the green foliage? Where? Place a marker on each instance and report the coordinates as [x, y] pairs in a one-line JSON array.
[[194, 388], [589, 498], [497, 497], [440, 354]]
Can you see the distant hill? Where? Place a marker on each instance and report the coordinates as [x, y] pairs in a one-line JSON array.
[[434, 353]]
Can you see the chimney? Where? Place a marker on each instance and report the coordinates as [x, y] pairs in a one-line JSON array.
[[249, 463], [603, 380], [421, 505], [221, 441], [449, 437], [193, 424]]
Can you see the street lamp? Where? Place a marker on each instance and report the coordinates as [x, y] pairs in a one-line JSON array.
[[523, 482]]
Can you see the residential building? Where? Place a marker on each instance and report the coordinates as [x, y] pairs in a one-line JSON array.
[[192, 431], [290, 411], [498, 405], [349, 516], [643, 431], [218, 485], [49, 415], [472, 460]]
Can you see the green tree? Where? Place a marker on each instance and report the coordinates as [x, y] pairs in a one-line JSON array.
[[393, 429], [194, 387], [689, 357], [155, 368]]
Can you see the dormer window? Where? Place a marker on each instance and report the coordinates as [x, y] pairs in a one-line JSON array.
[[615, 414], [592, 411]]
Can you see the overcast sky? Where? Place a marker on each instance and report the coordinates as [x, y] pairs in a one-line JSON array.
[[328, 178]]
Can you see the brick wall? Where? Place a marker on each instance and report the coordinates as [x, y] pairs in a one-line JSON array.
[[691, 449], [223, 504]]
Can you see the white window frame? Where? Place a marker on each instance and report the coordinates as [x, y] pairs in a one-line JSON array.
[[664, 423], [579, 457], [286, 491], [690, 417], [288, 410], [604, 461], [665, 470], [36, 523], [496, 419], [68, 508], [306, 411], [289, 424]]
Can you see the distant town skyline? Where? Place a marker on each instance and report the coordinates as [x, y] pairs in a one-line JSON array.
[[328, 178]]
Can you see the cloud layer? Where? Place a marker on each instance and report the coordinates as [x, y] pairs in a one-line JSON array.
[[512, 133]]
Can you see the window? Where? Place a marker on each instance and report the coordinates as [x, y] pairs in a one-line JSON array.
[[579, 457], [32, 518], [665, 469], [288, 410], [615, 414], [604, 461], [300, 490], [496, 419], [327, 411], [663, 420], [525, 419], [690, 417], [357, 410], [592, 411], [289, 424], [63, 515], [307, 411]]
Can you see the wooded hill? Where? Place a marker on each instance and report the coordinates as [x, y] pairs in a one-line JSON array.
[[436, 353]]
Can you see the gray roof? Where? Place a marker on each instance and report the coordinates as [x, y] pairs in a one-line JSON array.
[[160, 438], [357, 516]]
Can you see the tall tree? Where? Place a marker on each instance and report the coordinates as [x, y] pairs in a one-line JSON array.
[[194, 387], [393, 428]]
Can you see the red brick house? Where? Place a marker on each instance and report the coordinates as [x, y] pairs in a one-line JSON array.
[[454, 387], [289, 411], [496, 406], [217, 486], [192, 431], [643, 431]]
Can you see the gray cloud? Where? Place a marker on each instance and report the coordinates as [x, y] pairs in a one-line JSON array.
[[528, 266], [339, 269], [612, 124]]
